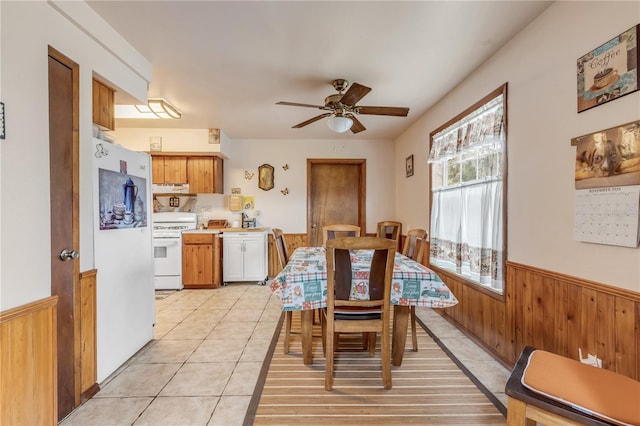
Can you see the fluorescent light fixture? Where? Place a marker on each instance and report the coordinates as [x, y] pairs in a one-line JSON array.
[[163, 109], [154, 109], [339, 123]]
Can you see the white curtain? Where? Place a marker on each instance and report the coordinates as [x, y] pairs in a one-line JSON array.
[[466, 232]]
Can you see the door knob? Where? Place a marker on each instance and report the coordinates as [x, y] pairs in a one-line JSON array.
[[67, 254], [314, 225]]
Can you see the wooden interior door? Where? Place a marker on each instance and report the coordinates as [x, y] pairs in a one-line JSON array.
[[65, 280], [336, 193]]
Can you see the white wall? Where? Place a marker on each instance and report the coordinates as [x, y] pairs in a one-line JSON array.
[[289, 212], [173, 140], [540, 66], [272, 208], [26, 31]]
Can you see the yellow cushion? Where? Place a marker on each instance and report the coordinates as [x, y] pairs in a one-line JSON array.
[[600, 393]]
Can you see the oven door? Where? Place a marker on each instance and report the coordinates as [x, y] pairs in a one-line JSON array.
[[167, 260]]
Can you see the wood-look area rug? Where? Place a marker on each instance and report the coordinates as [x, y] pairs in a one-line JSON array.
[[430, 387]]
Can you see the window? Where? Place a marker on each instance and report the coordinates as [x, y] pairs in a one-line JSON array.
[[468, 205]]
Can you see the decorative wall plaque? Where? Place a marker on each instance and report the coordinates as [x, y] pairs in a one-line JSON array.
[[265, 177]]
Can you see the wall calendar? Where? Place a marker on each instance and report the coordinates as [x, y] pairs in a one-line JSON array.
[[609, 215]]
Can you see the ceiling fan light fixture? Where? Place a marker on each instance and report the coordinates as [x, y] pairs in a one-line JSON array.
[[339, 123]]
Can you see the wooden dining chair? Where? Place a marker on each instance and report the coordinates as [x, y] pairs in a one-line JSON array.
[[283, 258], [281, 247], [344, 315], [413, 248], [330, 232], [390, 229]]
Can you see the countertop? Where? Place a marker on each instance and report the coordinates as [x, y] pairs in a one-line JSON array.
[[202, 231], [244, 229], [223, 230]]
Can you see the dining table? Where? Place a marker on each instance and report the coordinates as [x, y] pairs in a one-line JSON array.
[[302, 286]]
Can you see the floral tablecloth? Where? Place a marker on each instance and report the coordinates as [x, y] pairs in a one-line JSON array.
[[302, 284]]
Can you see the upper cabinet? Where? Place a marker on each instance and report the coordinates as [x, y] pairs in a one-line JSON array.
[[203, 173], [169, 169], [103, 112]]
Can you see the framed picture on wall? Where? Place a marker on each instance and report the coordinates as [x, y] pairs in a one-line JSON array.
[[265, 177], [609, 71], [155, 143], [409, 165]]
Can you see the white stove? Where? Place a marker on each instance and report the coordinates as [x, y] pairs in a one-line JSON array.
[[167, 247]]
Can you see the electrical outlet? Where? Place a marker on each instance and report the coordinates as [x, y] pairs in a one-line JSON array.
[[590, 359]]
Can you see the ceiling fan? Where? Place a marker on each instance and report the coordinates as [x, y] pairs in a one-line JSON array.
[[343, 108]]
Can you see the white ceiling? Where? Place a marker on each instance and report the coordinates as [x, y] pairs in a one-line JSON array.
[[225, 64]]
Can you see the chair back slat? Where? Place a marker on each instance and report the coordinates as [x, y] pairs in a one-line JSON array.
[[281, 247], [343, 274], [339, 261], [331, 232], [390, 230], [414, 244], [376, 277]]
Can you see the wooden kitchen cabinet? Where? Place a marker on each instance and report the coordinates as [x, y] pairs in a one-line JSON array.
[[201, 260], [103, 109], [169, 169], [205, 175]]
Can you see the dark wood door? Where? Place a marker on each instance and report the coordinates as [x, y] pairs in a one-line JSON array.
[[335, 194], [63, 162]]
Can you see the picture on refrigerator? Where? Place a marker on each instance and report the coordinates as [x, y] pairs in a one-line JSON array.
[[122, 200]]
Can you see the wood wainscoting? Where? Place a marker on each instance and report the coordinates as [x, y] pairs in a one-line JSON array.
[[29, 364], [88, 338], [554, 312]]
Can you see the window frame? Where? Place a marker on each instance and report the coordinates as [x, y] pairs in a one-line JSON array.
[[502, 90]]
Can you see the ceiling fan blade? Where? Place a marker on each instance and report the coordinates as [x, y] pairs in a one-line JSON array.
[[311, 120], [357, 126], [300, 105], [354, 94], [380, 110]]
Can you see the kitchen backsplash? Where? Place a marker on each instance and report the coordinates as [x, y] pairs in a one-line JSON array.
[[215, 206], [168, 203], [206, 206]]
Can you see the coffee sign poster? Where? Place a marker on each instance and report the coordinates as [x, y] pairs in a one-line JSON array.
[[609, 71]]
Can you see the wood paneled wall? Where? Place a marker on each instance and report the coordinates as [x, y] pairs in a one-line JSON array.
[[28, 364], [88, 337], [540, 308], [554, 312]]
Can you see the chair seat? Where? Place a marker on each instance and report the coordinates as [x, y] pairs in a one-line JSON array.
[[355, 316], [357, 313]]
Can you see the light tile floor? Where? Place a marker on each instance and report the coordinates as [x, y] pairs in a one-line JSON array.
[[202, 366]]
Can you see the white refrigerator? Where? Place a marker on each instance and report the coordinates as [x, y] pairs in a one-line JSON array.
[[123, 252]]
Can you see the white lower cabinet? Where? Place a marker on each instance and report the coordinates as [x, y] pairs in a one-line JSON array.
[[244, 256]]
